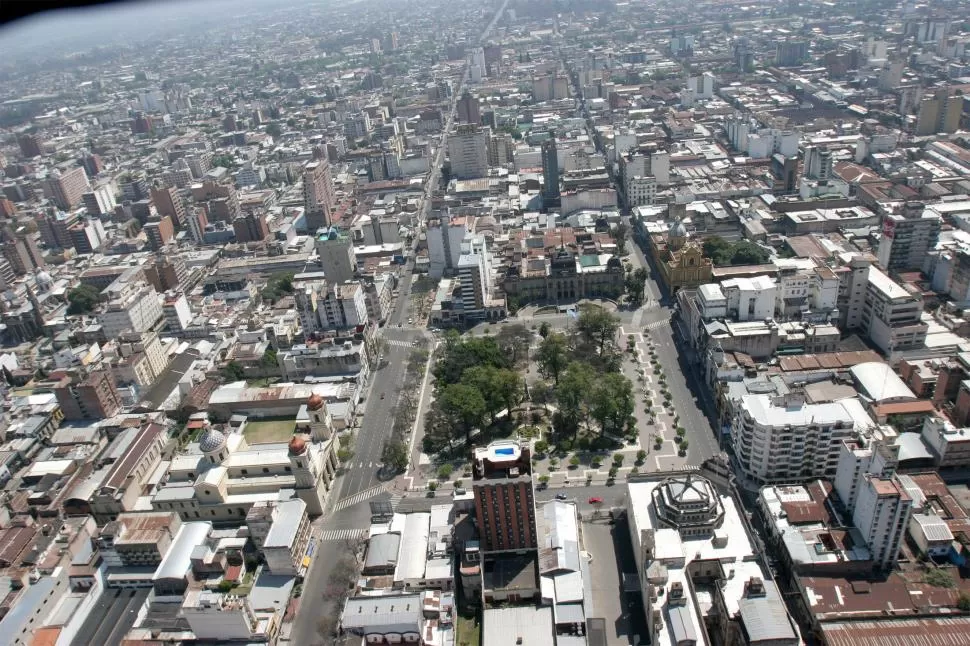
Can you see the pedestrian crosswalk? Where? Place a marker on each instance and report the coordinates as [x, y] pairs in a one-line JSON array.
[[657, 324], [343, 534], [400, 344], [358, 498]]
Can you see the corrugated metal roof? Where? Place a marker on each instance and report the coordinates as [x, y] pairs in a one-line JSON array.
[[179, 558]]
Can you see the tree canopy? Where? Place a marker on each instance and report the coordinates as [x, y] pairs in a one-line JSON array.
[[82, 299], [744, 252]]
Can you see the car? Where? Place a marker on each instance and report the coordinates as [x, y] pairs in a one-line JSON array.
[[595, 500], [382, 395], [561, 496], [410, 321]]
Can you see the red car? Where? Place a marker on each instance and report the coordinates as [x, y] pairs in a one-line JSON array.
[[595, 500]]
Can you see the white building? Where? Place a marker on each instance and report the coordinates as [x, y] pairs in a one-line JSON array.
[[891, 315], [882, 514], [785, 439], [176, 312], [711, 302], [222, 617], [876, 456], [749, 299], [445, 235], [135, 308], [285, 545]]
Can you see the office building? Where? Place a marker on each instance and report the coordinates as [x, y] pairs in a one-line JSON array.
[[891, 315], [319, 199], [135, 307], [251, 227], [789, 53], [473, 283], [817, 164], [159, 233], [90, 396], [197, 221], [469, 110], [786, 439], [176, 313], [22, 253], [166, 272], [99, 201], [550, 173], [92, 164], [445, 235], [939, 113], [908, 237], [134, 187], [504, 497], [168, 202], [501, 149], [335, 251], [66, 189], [31, 145], [87, 235], [468, 152]]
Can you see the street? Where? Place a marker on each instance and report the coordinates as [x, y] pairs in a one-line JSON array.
[[351, 496]]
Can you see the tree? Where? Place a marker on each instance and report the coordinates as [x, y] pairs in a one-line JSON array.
[[445, 471], [507, 385], [395, 455], [82, 299], [464, 405], [541, 447], [612, 402], [274, 130], [572, 395], [460, 354], [232, 371], [268, 360], [553, 356], [544, 329], [636, 285], [963, 602], [438, 432], [514, 340], [641, 456], [596, 325]]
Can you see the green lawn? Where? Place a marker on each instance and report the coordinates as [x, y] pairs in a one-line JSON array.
[[264, 431], [467, 632]]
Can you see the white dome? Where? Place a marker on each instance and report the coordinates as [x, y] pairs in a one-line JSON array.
[[678, 230], [212, 440], [43, 279]]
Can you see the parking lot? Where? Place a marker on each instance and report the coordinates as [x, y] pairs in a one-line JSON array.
[[612, 555]]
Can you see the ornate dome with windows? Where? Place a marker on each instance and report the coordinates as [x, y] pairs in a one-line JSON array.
[[212, 440], [689, 504], [677, 234]]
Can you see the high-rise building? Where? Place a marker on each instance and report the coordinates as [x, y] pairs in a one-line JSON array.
[[221, 200], [197, 221], [550, 173], [791, 52], [87, 235], [472, 282], [908, 237], [469, 109], [817, 163], [881, 514], [335, 250], [55, 227], [445, 235], [785, 439], [939, 113], [135, 307], [468, 152], [91, 396], [168, 202], [134, 187], [504, 497], [67, 188], [31, 145], [176, 312], [22, 254], [319, 199], [92, 164], [892, 315], [99, 201], [251, 227], [159, 232], [501, 149], [167, 272]]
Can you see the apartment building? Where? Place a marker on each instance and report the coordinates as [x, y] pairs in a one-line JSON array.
[[908, 237], [786, 439], [881, 513], [67, 188], [135, 307], [504, 497], [891, 315], [468, 152], [90, 396], [319, 199]]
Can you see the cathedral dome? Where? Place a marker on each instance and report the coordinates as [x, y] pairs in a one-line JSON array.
[[212, 440]]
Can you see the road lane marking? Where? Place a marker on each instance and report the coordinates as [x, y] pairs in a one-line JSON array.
[[343, 534]]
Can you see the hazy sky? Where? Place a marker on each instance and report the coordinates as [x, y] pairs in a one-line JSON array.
[[80, 29]]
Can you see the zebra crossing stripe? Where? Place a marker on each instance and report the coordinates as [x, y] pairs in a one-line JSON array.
[[343, 534], [358, 498]]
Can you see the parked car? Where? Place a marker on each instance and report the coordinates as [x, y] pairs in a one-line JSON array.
[[561, 496], [595, 500]]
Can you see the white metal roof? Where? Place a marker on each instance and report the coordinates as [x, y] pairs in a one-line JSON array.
[[879, 382]]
